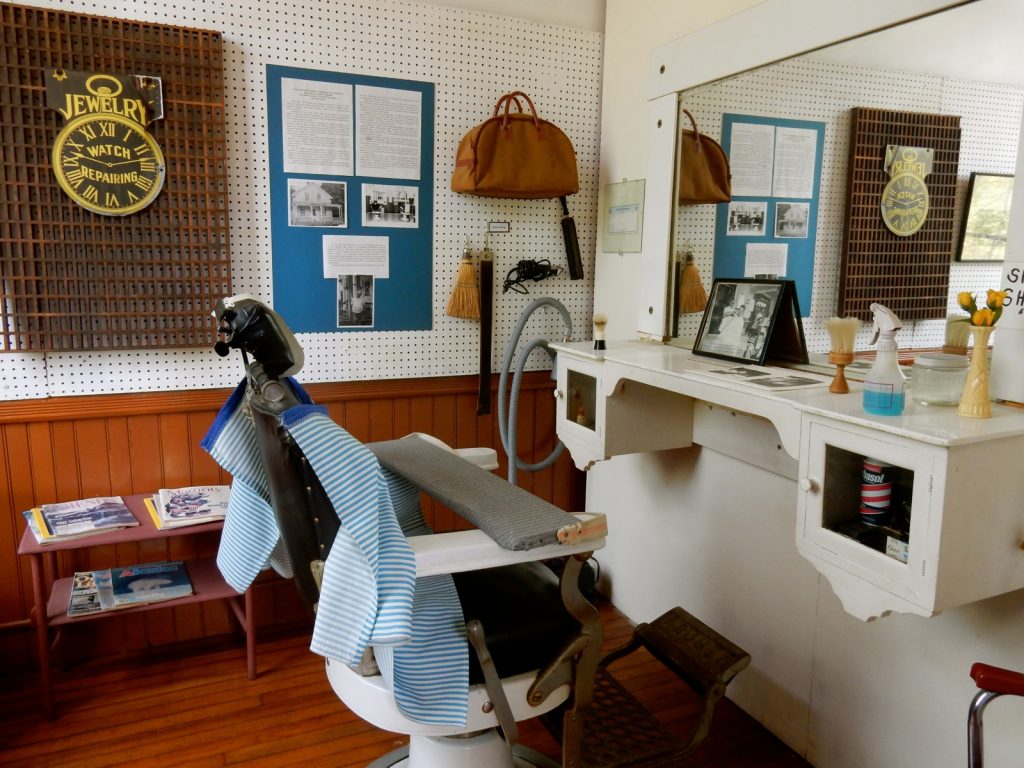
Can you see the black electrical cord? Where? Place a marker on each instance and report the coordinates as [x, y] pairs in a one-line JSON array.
[[528, 269]]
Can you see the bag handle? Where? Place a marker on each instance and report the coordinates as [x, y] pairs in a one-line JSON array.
[[497, 107], [509, 98], [696, 133]]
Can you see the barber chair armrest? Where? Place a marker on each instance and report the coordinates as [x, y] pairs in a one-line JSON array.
[[474, 550]]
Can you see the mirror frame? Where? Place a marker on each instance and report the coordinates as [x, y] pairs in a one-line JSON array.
[[695, 60]]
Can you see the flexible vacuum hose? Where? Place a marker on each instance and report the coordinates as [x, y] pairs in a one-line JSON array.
[[507, 427]]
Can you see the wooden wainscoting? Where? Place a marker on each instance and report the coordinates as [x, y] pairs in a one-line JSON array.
[[75, 447]]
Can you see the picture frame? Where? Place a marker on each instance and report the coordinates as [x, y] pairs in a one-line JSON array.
[[749, 320], [986, 218]]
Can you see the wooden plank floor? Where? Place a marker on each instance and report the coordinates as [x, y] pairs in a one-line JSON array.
[[198, 710]]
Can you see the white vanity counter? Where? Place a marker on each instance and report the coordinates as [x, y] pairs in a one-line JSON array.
[[642, 397]]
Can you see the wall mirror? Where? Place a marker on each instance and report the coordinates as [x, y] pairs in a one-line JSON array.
[[957, 62]]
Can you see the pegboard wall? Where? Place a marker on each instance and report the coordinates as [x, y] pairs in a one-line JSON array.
[[806, 89], [472, 58]]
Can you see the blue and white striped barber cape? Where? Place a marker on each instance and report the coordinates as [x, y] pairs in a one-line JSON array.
[[370, 595]]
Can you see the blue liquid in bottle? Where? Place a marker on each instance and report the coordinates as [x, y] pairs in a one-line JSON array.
[[884, 403]]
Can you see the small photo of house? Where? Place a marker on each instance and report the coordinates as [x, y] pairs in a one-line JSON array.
[[791, 219], [316, 203]]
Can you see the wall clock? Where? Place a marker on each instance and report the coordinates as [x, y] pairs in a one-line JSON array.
[[108, 163], [905, 204]]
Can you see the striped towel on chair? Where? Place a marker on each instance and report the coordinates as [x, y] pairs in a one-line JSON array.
[[369, 594]]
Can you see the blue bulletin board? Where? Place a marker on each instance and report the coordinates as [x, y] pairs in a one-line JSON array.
[[351, 200], [770, 227]]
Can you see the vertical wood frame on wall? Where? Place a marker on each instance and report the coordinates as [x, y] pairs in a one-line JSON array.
[[909, 275], [76, 280]]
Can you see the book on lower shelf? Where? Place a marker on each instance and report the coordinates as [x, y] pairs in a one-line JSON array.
[[128, 585], [194, 505], [83, 517]]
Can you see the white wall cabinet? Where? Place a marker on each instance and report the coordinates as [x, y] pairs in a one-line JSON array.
[[956, 528], [600, 415], [962, 502]]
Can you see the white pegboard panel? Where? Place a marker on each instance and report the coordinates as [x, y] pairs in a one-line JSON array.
[[805, 89], [472, 58]]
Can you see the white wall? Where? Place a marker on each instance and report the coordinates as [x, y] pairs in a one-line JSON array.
[[632, 29], [716, 536]]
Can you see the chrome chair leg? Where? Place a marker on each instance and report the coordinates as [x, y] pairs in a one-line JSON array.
[[974, 727]]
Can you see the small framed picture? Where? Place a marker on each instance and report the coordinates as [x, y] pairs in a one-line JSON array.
[[739, 319]]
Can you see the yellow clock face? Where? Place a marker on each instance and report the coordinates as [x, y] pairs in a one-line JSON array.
[[108, 164], [905, 204]]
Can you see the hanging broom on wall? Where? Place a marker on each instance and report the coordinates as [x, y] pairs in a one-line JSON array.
[[692, 296], [465, 299]]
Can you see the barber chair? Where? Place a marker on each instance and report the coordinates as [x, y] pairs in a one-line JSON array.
[[992, 682], [536, 641]]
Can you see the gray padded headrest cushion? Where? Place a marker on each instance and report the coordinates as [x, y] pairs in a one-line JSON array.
[[514, 518]]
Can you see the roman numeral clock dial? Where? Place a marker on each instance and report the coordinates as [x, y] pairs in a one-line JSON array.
[[905, 203], [108, 164]]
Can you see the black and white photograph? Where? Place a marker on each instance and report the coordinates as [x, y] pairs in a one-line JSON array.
[[738, 320], [316, 203], [747, 219], [791, 219], [355, 301], [386, 205]]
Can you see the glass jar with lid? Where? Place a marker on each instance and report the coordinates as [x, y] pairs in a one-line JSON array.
[[937, 378]]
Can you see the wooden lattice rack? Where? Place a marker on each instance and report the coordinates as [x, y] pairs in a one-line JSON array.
[[910, 275], [76, 280]]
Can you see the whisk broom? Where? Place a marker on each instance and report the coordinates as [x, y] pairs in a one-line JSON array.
[[692, 296], [465, 298]]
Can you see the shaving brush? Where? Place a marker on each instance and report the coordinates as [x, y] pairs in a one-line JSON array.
[[599, 323], [843, 330]]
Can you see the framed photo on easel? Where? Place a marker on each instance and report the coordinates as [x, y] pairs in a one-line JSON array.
[[748, 321]]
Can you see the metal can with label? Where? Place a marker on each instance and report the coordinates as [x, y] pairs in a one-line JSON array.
[[875, 491]]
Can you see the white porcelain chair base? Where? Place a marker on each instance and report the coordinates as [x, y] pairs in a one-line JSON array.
[[482, 750]]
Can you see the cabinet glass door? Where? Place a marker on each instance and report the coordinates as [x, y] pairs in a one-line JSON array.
[[865, 506], [581, 399]]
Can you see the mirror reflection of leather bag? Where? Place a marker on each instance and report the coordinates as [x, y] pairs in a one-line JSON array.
[[515, 155], [704, 169]]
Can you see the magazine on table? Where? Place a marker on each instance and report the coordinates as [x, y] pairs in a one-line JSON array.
[[34, 521], [146, 583], [124, 586], [90, 593], [194, 505], [84, 516]]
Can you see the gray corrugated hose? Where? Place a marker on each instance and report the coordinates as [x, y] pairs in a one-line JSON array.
[[507, 427]]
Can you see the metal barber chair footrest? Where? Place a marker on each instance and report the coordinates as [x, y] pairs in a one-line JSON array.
[[619, 731]]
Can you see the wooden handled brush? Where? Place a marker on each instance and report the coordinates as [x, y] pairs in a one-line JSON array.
[[843, 331]]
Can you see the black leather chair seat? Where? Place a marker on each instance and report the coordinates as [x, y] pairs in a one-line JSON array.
[[520, 607]]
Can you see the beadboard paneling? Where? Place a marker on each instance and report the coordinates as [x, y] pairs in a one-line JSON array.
[[73, 447]]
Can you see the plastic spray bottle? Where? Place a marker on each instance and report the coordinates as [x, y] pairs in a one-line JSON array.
[[885, 384]]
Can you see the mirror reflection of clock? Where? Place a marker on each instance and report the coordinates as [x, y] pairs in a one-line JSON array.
[[108, 164], [905, 204]]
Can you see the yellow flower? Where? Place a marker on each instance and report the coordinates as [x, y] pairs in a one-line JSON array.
[[996, 299], [983, 316], [966, 301]]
